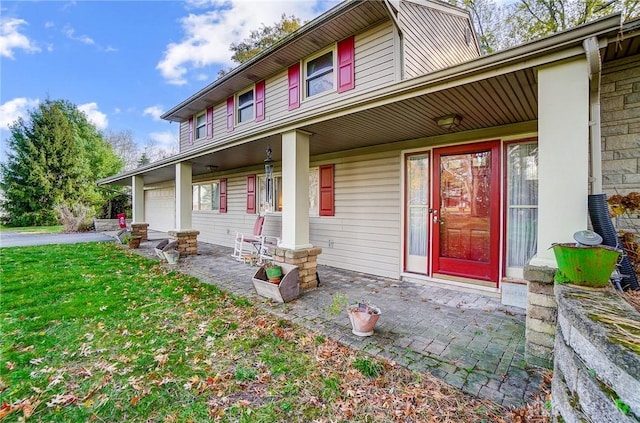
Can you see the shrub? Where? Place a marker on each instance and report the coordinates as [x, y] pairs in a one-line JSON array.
[[74, 218]]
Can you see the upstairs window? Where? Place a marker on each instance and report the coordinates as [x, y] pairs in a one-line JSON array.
[[201, 126], [245, 110], [319, 74]]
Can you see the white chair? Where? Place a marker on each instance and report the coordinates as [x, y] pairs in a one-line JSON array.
[[247, 246]]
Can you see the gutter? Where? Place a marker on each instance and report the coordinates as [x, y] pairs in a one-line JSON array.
[[594, 62]]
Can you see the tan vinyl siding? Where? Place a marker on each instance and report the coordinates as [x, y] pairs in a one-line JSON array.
[[220, 228], [365, 231], [375, 65], [434, 39], [184, 137]]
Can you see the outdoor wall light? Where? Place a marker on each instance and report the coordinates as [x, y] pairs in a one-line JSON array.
[[212, 168], [449, 121]]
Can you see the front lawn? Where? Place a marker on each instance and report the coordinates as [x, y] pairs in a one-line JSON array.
[[33, 229], [91, 332]]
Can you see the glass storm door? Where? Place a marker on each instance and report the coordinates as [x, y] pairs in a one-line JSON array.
[[466, 227], [417, 212]]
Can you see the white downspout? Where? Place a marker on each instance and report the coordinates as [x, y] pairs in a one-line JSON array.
[[594, 62]]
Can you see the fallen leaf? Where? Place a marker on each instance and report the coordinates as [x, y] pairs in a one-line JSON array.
[[10, 365], [161, 359]]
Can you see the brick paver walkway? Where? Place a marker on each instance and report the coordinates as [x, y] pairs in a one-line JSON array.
[[471, 341]]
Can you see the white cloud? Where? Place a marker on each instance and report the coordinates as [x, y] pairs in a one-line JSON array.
[[154, 111], [11, 38], [84, 39], [14, 109], [165, 139], [208, 35], [94, 115]]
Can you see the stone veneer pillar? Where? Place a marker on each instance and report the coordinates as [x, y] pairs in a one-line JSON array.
[[306, 259], [140, 229], [187, 241], [542, 315]]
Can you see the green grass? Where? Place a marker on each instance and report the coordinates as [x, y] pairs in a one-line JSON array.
[[32, 229], [93, 332]]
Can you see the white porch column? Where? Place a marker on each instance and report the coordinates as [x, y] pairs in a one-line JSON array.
[[183, 196], [295, 190], [137, 199], [563, 155]]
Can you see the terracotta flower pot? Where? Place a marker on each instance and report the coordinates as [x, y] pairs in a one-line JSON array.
[[363, 318], [134, 242]]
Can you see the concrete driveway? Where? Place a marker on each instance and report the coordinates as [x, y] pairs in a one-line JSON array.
[[15, 239]]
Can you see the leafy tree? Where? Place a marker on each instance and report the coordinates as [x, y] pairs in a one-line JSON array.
[[531, 19], [488, 19], [263, 38], [502, 26], [54, 157]]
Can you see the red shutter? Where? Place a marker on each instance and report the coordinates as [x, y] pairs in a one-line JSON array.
[[260, 101], [294, 86], [326, 190], [223, 195], [346, 65], [191, 130], [210, 122], [251, 194], [230, 114]]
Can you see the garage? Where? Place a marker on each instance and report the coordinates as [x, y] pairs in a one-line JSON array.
[[160, 208]]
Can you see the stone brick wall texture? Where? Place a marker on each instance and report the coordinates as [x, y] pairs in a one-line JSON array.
[[620, 124], [540, 325], [596, 377]]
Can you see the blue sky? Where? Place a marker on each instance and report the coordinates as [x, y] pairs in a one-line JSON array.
[[124, 62]]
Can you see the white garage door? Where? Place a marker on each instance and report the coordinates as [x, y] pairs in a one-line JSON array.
[[160, 209]]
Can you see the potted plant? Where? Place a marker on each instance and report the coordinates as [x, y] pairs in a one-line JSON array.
[[133, 241], [274, 272], [363, 317], [286, 289]]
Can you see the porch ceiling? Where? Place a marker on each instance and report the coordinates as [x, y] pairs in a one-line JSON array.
[[502, 100]]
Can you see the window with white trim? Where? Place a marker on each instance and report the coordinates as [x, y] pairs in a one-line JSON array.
[[319, 75], [206, 196], [201, 126], [522, 206], [245, 106], [275, 205]]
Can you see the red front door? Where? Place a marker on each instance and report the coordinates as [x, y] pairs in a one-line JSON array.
[[466, 228]]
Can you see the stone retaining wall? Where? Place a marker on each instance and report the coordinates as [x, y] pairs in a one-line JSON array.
[[596, 377], [540, 329], [104, 225]]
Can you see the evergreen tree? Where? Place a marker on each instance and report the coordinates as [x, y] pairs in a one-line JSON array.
[[54, 157], [144, 159]]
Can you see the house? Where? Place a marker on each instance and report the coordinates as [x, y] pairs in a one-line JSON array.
[[397, 150]]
